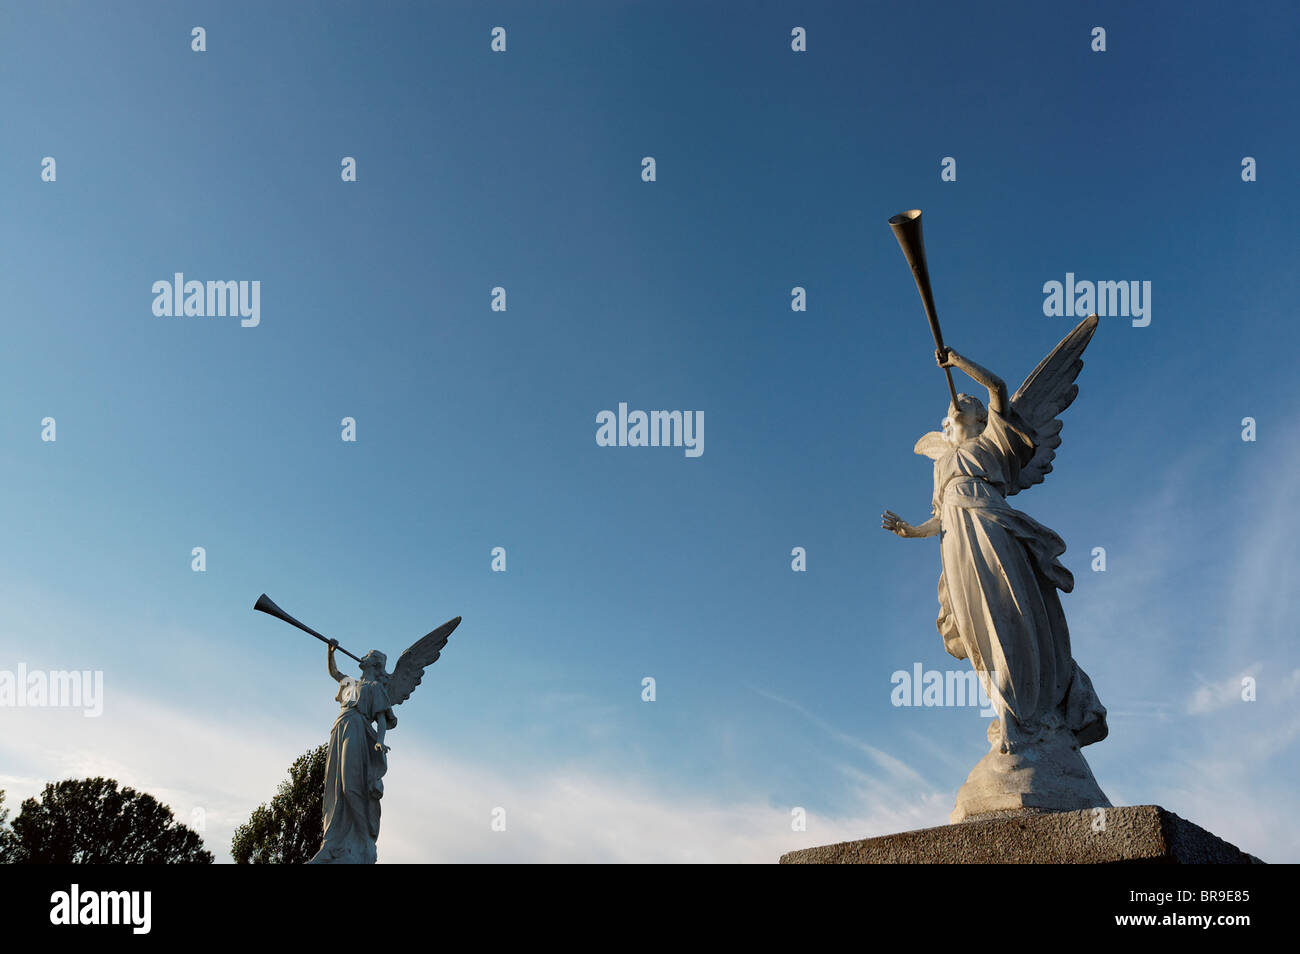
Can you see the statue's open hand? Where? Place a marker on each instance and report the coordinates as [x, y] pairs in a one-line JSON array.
[[895, 524]]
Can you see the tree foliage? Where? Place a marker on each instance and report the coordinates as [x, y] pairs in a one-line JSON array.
[[92, 821], [4, 834], [289, 830]]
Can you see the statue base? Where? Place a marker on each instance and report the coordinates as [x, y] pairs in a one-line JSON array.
[[1136, 834], [1044, 773]]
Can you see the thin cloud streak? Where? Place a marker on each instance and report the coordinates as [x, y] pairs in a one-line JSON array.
[[435, 808]]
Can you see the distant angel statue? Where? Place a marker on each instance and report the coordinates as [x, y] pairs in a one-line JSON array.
[[999, 605], [357, 757]]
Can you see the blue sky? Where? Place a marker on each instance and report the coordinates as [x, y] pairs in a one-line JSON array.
[[476, 428]]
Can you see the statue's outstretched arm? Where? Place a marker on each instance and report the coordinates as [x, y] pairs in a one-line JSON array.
[[329, 655], [997, 387], [895, 524]]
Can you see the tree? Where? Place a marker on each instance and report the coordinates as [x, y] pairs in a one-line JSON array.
[[4, 835], [289, 830], [91, 821]]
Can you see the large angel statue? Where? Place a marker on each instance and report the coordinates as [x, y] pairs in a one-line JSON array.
[[999, 604], [357, 757]]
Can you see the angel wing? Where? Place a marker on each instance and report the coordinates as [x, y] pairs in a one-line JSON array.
[[411, 664], [1048, 391], [932, 445]]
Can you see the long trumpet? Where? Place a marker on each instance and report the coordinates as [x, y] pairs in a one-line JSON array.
[[907, 229], [265, 605]]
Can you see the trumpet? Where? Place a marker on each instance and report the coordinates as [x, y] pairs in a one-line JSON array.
[[907, 229]]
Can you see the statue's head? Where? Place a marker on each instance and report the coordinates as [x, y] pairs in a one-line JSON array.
[[965, 420], [372, 664]]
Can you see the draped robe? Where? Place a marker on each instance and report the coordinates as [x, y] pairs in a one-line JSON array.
[[999, 604], [354, 772]]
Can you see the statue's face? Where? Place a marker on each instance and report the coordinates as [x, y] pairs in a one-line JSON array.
[[372, 663], [959, 426]]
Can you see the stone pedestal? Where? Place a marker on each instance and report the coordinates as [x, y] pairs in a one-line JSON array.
[[1044, 773], [1137, 834]]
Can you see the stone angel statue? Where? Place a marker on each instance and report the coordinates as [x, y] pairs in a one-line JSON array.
[[357, 758], [999, 604]]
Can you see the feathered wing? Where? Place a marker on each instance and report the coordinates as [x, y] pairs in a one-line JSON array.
[[1049, 390], [411, 664], [932, 445]]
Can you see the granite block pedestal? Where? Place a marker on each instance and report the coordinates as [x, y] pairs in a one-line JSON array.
[[1138, 834]]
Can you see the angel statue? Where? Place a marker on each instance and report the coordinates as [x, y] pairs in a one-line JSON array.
[[999, 604], [357, 757]]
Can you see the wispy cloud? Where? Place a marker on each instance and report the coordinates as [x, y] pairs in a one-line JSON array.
[[436, 808], [896, 768], [1212, 696], [1227, 763]]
